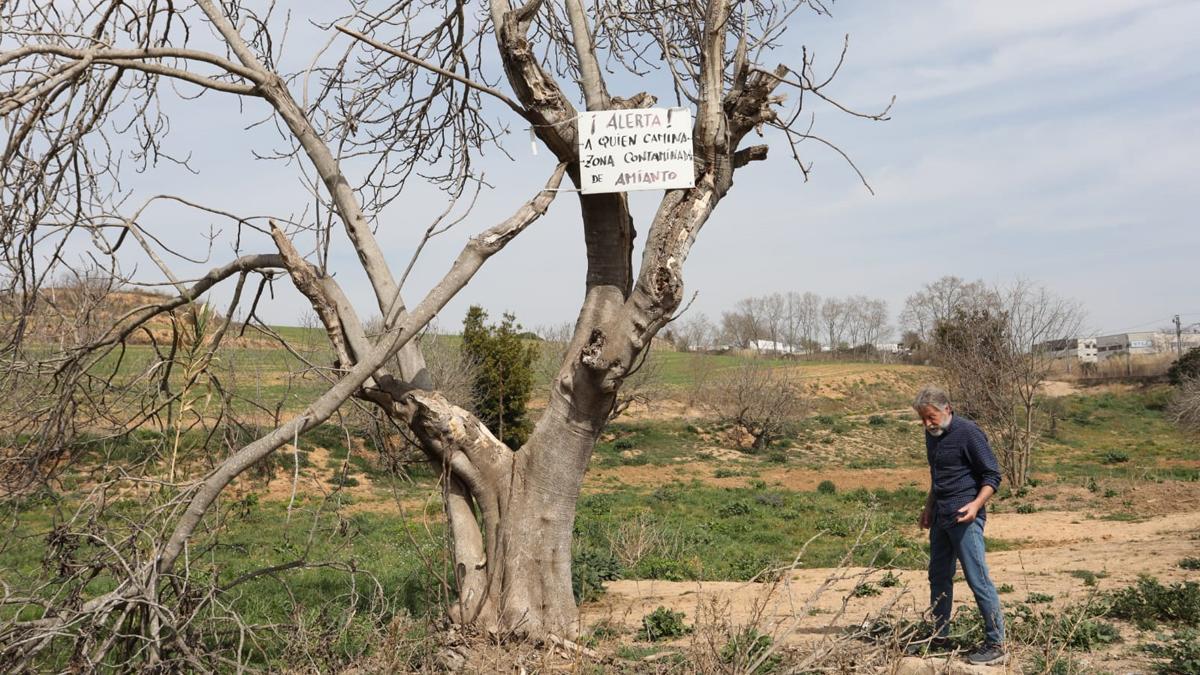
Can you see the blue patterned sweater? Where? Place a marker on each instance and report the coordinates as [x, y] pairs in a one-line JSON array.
[[960, 463]]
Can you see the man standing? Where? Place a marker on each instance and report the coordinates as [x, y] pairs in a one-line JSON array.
[[964, 475]]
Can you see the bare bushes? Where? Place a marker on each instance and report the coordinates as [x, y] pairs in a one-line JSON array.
[[1185, 406], [994, 360], [760, 400]]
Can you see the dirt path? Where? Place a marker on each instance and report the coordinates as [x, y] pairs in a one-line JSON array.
[[1054, 545]]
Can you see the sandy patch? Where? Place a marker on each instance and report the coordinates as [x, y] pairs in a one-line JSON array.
[[809, 602], [1056, 389], [785, 477], [314, 479]]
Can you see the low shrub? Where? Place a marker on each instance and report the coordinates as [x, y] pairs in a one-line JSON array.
[[1075, 627], [1054, 665], [1087, 576], [606, 630], [827, 487], [665, 493], [749, 566], [746, 647], [1186, 367], [734, 509], [889, 580], [1149, 602], [1088, 634], [1114, 457], [771, 499], [667, 569], [662, 624], [1182, 654], [590, 568], [865, 589]]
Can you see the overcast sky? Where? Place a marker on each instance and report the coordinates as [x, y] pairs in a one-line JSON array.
[[1052, 141]]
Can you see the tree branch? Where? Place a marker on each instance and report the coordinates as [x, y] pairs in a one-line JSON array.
[[366, 246], [307, 283], [491, 91], [591, 78]]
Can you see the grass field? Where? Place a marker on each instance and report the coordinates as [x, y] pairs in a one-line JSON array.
[[671, 497]]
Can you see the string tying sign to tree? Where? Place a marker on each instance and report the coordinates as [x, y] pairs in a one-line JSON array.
[[646, 149]]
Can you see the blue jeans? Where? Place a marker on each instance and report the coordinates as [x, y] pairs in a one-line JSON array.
[[947, 546]]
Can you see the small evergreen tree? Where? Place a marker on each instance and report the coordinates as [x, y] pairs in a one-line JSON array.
[[1186, 368], [502, 363]]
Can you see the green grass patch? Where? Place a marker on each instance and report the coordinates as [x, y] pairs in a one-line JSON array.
[[1117, 435], [387, 549], [646, 443], [707, 532]]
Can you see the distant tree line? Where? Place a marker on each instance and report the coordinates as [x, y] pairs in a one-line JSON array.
[[800, 323]]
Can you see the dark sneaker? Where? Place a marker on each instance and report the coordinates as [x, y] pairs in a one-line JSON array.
[[988, 655]]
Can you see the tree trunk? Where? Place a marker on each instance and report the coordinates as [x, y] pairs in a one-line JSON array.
[[512, 562], [535, 567]]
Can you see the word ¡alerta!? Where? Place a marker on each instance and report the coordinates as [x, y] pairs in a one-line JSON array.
[[648, 149]]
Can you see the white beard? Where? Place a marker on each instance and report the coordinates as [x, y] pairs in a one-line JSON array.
[[941, 428]]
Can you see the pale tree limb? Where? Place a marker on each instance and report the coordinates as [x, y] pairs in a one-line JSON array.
[[371, 257], [474, 254]]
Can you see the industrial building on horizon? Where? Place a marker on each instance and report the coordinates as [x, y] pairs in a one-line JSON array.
[[1101, 347]]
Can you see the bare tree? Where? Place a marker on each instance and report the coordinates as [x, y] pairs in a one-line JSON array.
[[833, 321], [875, 322], [996, 365], [774, 318], [939, 300], [556, 340], [759, 399], [742, 326], [1185, 405], [855, 320], [808, 313], [400, 96], [694, 333], [793, 331]]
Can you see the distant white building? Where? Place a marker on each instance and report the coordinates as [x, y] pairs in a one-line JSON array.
[[773, 347], [1083, 350], [1143, 343]]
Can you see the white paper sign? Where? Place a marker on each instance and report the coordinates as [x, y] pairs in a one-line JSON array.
[[645, 149]]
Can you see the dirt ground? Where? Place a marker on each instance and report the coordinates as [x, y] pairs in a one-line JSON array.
[[810, 603], [792, 478], [1045, 547]]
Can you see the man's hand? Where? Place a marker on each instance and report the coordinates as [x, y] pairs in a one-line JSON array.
[[926, 517], [967, 513]]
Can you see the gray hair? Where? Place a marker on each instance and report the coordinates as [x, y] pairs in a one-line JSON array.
[[933, 396]]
